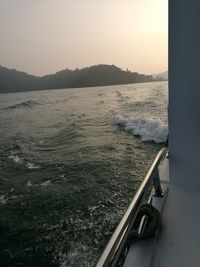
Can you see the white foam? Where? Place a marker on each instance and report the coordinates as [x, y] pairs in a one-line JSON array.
[[15, 158], [30, 165], [29, 184], [3, 200], [46, 183], [14, 197], [79, 255], [148, 129]]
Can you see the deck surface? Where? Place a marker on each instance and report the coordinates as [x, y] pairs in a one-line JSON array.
[[178, 244], [179, 241]]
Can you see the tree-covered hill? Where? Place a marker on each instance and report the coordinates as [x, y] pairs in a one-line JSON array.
[[98, 75]]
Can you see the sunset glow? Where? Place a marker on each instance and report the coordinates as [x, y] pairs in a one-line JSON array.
[[42, 37]]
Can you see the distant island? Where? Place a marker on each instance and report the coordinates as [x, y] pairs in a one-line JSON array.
[[161, 76], [12, 80]]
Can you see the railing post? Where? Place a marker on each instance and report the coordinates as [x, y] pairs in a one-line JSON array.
[[157, 185]]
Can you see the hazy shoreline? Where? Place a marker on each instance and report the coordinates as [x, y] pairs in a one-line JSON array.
[[74, 88]]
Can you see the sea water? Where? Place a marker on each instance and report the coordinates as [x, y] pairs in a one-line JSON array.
[[70, 162]]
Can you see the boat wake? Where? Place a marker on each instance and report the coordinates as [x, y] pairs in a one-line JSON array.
[[26, 104], [147, 129]]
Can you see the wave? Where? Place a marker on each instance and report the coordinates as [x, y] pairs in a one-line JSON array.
[[16, 159], [29, 184], [26, 104], [46, 183], [30, 166], [20, 161], [147, 129], [3, 200], [121, 97]]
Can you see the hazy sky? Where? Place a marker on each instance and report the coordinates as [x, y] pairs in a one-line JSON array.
[[44, 36]]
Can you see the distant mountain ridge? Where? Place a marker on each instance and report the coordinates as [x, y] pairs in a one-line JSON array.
[[12, 80]]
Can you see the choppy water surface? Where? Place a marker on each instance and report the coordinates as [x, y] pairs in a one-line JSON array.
[[70, 162]]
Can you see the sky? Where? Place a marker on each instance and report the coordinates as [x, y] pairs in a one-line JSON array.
[[45, 36]]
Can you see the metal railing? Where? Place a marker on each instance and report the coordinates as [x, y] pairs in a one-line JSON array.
[[115, 246]]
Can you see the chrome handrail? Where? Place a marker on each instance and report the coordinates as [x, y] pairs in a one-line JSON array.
[[115, 246]]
